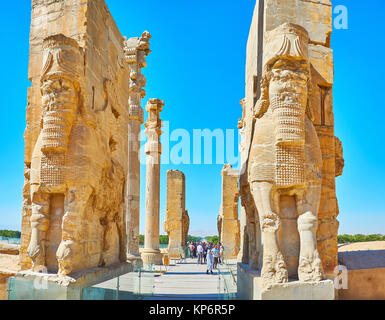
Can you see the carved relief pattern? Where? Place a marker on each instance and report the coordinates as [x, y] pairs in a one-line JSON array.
[[289, 119], [278, 149]]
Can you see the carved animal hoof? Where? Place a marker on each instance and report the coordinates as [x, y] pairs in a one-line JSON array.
[[33, 250], [281, 275], [310, 270], [317, 267], [64, 268], [274, 271], [305, 270], [64, 256], [268, 272]]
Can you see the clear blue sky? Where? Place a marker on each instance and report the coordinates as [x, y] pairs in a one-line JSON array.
[[197, 67]]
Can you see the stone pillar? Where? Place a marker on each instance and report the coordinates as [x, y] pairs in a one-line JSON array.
[[176, 214], [136, 50], [228, 223], [151, 253]]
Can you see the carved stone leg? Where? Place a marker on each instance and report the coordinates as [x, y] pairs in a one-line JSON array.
[[310, 267], [274, 267], [68, 254], [39, 227]]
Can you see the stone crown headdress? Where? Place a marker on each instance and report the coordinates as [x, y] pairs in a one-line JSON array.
[[286, 41], [63, 59]]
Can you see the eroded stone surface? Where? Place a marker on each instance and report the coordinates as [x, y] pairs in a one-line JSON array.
[[9, 266], [151, 253], [76, 140], [136, 51], [289, 153], [228, 222], [177, 219]]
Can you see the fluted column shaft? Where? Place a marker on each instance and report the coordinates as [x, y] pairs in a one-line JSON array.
[[151, 253], [136, 50]]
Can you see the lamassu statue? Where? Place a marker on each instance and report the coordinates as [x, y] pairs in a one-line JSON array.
[[76, 186], [285, 157]]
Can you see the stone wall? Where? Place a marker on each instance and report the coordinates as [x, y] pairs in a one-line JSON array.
[[228, 222], [95, 165], [177, 219], [9, 266], [365, 271], [316, 18]]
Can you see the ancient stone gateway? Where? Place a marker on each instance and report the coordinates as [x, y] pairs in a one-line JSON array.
[[81, 175], [228, 223], [290, 154], [177, 219]]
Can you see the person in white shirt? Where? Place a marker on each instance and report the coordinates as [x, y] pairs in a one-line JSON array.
[[200, 253], [210, 260]]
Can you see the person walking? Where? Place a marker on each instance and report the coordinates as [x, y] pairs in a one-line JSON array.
[[215, 253], [191, 247], [221, 249], [205, 253], [210, 261], [200, 253], [195, 250]]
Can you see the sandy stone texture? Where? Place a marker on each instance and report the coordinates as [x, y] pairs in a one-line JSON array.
[[365, 263], [153, 148], [177, 219], [228, 222], [315, 18], [76, 139], [362, 246], [9, 265]]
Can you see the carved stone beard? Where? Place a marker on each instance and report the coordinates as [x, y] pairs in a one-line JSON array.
[[58, 116], [59, 112], [288, 101]]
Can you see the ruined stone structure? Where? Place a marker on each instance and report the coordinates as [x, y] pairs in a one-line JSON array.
[[228, 222], [177, 219], [290, 155], [136, 50], [85, 92], [151, 253]]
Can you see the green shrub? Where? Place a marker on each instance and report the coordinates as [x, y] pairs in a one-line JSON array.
[[191, 238], [10, 234], [347, 238], [163, 239], [212, 239]]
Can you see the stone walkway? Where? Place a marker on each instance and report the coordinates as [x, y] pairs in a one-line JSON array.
[[187, 281], [179, 281]]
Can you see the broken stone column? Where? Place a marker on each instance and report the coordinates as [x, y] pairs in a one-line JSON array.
[[228, 222], [136, 50], [151, 254], [292, 154], [76, 152], [177, 219]]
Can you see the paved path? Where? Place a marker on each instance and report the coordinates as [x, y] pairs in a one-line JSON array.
[[182, 281], [187, 281]]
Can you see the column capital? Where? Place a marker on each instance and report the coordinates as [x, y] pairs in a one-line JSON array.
[[154, 104], [134, 46], [154, 107], [153, 126]]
